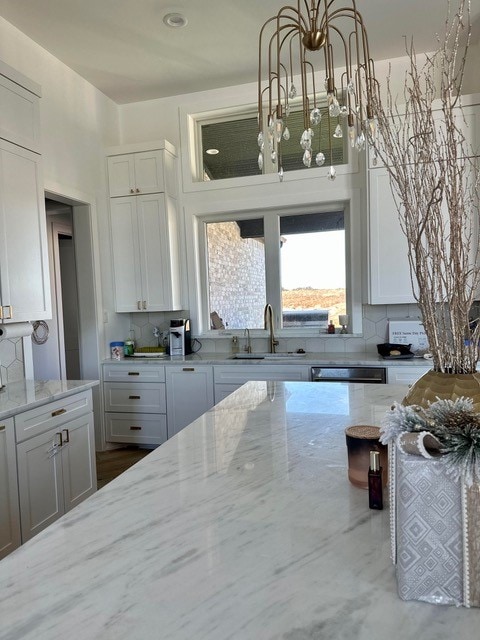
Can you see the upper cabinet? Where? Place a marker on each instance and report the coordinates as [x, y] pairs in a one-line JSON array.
[[144, 230], [19, 115], [143, 172], [24, 277], [388, 270]]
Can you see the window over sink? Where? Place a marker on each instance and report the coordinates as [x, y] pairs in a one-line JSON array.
[[295, 261]]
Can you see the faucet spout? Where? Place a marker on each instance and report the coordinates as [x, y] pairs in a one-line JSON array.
[[268, 319]]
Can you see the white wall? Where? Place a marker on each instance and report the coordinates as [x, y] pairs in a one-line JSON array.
[[77, 123]]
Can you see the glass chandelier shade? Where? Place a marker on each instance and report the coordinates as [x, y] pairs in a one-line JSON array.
[[316, 39]]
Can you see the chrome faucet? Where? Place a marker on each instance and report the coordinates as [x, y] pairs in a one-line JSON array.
[[268, 319], [248, 345]]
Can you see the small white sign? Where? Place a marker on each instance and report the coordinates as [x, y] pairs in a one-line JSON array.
[[408, 332]]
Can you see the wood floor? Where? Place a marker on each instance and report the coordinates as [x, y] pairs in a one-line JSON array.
[[111, 464]]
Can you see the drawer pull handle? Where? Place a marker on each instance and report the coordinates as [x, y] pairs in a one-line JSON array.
[[10, 312], [60, 439], [67, 435], [2, 427], [134, 373], [134, 397], [58, 412], [135, 428], [188, 368]]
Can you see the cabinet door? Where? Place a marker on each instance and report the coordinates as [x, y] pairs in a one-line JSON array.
[[389, 273], [19, 115], [121, 175], [149, 172], [78, 461], [189, 394], [126, 259], [24, 279], [40, 482], [158, 255], [9, 511]]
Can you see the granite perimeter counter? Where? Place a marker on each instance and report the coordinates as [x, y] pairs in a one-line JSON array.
[[242, 527]]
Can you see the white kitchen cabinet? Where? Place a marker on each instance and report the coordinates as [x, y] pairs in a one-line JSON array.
[[19, 115], [24, 280], [135, 403], [9, 509], [55, 459], [189, 394], [145, 253], [142, 173], [228, 378], [406, 375], [388, 270]]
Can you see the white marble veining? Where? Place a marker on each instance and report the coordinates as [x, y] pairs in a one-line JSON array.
[[242, 527], [27, 394], [310, 359]]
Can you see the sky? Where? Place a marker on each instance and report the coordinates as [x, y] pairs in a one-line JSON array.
[[314, 260]]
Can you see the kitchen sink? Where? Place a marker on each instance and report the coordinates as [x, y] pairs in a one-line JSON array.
[[267, 356]]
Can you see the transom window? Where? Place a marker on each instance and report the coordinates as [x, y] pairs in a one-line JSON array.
[[229, 149]]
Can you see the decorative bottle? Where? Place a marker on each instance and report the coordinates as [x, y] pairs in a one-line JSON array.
[[375, 490]]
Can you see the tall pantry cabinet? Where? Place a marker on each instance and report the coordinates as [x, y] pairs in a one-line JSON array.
[[144, 218], [24, 280]]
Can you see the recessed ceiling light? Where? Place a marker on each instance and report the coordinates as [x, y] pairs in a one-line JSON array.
[[175, 20], [212, 152]]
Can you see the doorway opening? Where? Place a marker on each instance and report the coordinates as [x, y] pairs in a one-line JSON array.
[[72, 350]]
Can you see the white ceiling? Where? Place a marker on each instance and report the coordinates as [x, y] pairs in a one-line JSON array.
[[124, 49]]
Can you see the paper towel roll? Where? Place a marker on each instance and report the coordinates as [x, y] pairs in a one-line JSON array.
[[15, 330]]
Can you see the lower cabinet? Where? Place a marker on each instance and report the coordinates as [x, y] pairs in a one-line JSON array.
[[55, 460], [9, 512], [229, 378], [135, 403], [56, 471], [405, 375], [189, 394]]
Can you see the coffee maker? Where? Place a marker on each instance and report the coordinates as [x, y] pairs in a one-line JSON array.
[[180, 337]]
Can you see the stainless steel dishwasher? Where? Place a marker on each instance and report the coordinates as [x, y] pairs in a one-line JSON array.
[[376, 375]]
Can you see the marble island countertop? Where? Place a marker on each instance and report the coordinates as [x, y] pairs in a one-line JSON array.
[[27, 394], [241, 527], [363, 359]]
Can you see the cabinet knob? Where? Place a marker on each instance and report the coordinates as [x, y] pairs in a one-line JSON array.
[[135, 428], [137, 190], [132, 191]]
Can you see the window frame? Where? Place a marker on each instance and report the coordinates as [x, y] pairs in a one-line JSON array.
[[191, 119], [271, 217]]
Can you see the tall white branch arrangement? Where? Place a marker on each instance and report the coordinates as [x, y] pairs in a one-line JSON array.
[[435, 181]]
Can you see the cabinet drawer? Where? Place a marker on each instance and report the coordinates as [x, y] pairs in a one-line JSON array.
[[239, 374], [143, 397], [133, 372], [136, 428], [52, 415]]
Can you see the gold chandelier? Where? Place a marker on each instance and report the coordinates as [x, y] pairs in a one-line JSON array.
[[287, 41]]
